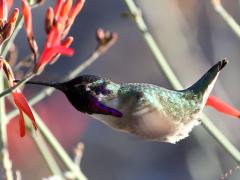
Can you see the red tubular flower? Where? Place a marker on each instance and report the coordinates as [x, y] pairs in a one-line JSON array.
[[26, 10], [6, 26], [66, 8], [19, 99], [66, 43], [23, 107], [75, 10], [49, 18], [222, 107], [28, 26], [58, 7], [3, 10], [53, 47], [57, 24], [14, 16], [49, 54]]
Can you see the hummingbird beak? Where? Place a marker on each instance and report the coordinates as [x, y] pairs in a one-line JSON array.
[[49, 84]]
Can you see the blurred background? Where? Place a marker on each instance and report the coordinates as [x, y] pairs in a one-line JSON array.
[[192, 37]]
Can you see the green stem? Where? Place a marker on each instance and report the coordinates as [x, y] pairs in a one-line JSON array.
[[152, 45], [46, 154], [5, 163], [94, 56], [164, 66], [226, 17], [21, 82], [56, 146]]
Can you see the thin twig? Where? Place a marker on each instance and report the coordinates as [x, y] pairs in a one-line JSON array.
[[57, 147], [46, 154], [18, 84], [18, 175], [226, 17], [5, 162], [78, 152], [164, 66]]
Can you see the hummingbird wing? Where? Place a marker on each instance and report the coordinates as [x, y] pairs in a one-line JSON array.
[[146, 117]]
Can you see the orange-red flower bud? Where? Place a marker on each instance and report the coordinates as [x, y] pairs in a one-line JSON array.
[[49, 18], [75, 10], [58, 8], [66, 8], [68, 41], [14, 16], [27, 17], [3, 10], [105, 39]]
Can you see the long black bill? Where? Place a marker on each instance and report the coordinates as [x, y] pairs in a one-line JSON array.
[[49, 84]]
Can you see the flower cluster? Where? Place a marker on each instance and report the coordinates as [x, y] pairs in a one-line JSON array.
[[57, 25], [58, 21]]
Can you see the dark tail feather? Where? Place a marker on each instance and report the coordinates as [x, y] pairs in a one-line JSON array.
[[49, 84], [202, 84]]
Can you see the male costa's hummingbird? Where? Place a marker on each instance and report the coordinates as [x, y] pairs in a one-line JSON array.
[[146, 110]]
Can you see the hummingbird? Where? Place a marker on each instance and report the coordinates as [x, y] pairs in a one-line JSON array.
[[146, 110]]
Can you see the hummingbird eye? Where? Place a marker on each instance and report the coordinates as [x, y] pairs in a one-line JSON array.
[[101, 89]]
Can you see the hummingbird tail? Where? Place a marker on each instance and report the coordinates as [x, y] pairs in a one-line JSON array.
[[221, 106], [208, 78]]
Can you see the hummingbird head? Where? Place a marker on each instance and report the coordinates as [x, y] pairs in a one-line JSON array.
[[91, 83], [87, 93]]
